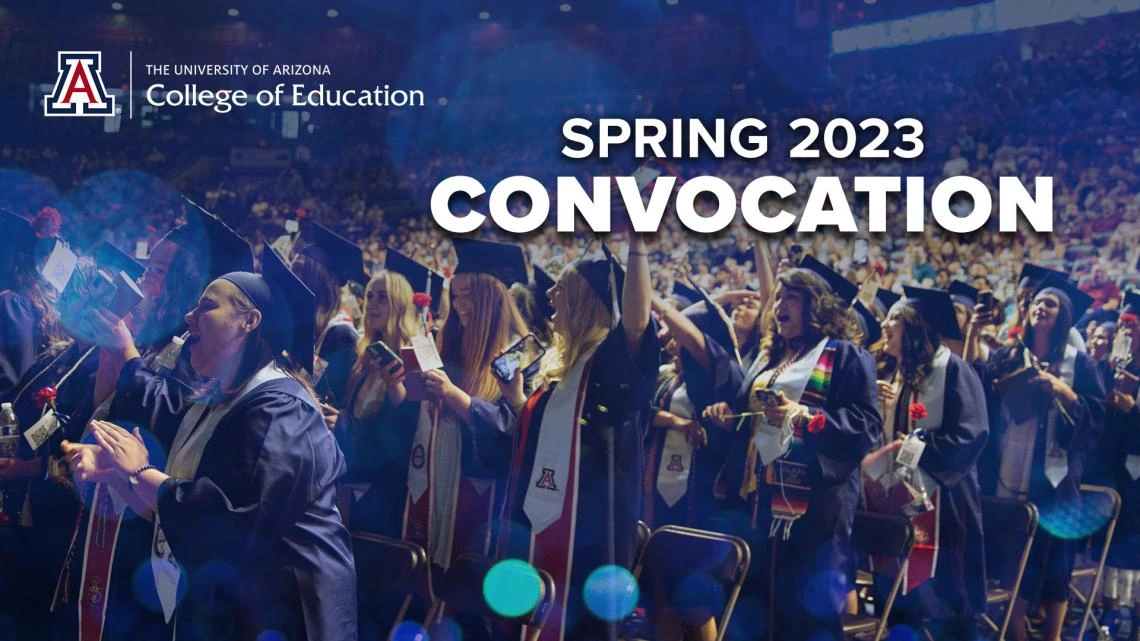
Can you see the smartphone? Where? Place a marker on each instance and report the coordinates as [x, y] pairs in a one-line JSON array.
[[126, 296], [986, 299], [382, 352], [768, 397], [519, 358], [860, 251]]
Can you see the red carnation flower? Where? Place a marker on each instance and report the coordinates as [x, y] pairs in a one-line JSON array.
[[5, 520], [421, 300], [1016, 331], [45, 397], [816, 424], [917, 411], [1129, 319], [301, 213], [47, 223]]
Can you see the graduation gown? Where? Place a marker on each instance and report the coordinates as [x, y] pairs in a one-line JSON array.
[[1122, 438], [610, 408], [19, 340], [39, 539], [376, 446], [958, 587], [455, 477], [806, 585], [257, 531], [668, 456], [336, 353], [1051, 559]]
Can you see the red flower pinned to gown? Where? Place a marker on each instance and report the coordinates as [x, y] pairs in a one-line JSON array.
[[816, 424], [917, 411], [421, 300], [47, 223], [45, 397]]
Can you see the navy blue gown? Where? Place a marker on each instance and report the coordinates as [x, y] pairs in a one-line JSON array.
[[257, 531]]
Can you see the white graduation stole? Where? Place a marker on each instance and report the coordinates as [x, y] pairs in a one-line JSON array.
[[1020, 441], [194, 432], [557, 436], [771, 439], [676, 453]]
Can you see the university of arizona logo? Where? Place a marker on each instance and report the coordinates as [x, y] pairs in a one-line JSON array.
[[79, 89], [675, 464], [418, 456], [546, 481]]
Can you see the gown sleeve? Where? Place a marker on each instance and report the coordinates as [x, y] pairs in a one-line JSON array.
[[724, 380], [18, 344], [1088, 412], [853, 424], [489, 437], [953, 450], [145, 398], [339, 349], [282, 457]]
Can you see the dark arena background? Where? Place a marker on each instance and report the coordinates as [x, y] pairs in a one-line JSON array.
[[675, 531]]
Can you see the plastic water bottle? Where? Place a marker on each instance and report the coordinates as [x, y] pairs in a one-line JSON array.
[[9, 432], [168, 358]]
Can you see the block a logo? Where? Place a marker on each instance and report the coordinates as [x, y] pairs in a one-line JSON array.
[[79, 89]]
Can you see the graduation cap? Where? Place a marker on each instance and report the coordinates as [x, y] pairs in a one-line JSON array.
[[338, 254], [872, 330], [962, 293], [885, 299], [1131, 303], [1032, 275], [111, 257], [684, 294], [606, 277], [417, 275], [542, 283], [935, 306], [287, 307], [1078, 301], [217, 247], [504, 262], [840, 286]]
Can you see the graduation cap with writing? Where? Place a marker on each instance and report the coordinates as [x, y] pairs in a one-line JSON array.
[[962, 293], [109, 256], [840, 286], [287, 307], [338, 254], [418, 276], [937, 308], [504, 262], [542, 284], [217, 247], [1033, 275], [1078, 301], [872, 330]]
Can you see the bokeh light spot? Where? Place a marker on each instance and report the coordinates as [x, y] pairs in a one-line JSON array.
[[611, 593], [512, 588], [409, 631]]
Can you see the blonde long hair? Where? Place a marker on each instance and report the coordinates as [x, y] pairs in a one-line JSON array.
[[494, 320], [402, 324], [578, 333]]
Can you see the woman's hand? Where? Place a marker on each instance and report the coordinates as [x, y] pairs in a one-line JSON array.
[[125, 450], [694, 434], [513, 390], [440, 387], [89, 464], [1122, 402], [1055, 387], [393, 373], [887, 391], [330, 414], [777, 414], [110, 333], [718, 413]]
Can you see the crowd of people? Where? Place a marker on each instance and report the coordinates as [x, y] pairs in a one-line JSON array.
[[191, 460]]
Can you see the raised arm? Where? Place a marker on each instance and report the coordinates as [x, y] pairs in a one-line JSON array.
[[635, 297]]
